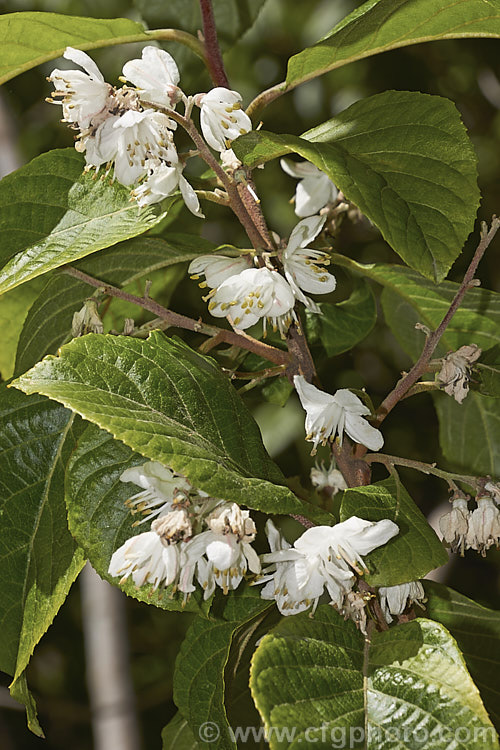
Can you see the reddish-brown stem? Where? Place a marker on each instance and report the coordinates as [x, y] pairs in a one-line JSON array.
[[211, 43], [182, 321], [433, 337]]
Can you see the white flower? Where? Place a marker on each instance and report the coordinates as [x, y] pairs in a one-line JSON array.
[[84, 96], [330, 477], [494, 489], [222, 119], [303, 265], [159, 487], [229, 518], [229, 160], [254, 294], [484, 525], [455, 525], [173, 526], [147, 560], [163, 180], [395, 599], [314, 191], [328, 415], [323, 557], [155, 76], [455, 372], [216, 269]]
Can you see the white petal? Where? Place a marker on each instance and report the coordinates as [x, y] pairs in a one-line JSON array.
[[299, 169], [304, 232], [363, 432], [190, 197], [84, 61]]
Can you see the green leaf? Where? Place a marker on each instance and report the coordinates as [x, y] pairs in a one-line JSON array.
[[20, 692], [14, 307], [414, 551], [473, 423], [172, 405], [405, 159], [38, 557], [381, 25], [29, 39], [98, 518], [177, 735], [317, 683], [341, 326], [408, 298], [199, 685], [477, 632], [488, 369], [51, 214], [48, 322]]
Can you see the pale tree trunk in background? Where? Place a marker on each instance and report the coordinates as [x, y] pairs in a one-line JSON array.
[[114, 719]]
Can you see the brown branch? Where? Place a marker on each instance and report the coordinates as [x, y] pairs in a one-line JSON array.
[[212, 49], [182, 321], [448, 476], [433, 338]]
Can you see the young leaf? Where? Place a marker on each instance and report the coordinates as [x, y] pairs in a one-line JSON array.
[[405, 159], [318, 681], [39, 558], [475, 422], [52, 214], [48, 322], [381, 25], [341, 326], [98, 518], [199, 668], [172, 405], [29, 39], [414, 551], [408, 298], [477, 632]]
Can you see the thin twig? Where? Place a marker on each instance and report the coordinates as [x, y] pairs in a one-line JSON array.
[[211, 43], [448, 476], [265, 98], [404, 385], [176, 320]]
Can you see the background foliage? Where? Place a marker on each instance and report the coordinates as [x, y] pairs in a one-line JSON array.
[[465, 71]]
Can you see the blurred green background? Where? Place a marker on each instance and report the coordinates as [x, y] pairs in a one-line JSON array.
[[468, 72]]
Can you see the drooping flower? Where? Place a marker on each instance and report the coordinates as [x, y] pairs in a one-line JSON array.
[[303, 265], [174, 526], [314, 191], [455, 371], [494, 489], [163, 180], [395, 599], [484, 525], [222, 119], [324, 557], [155, 76], [455, 525], [328, 477], [252, 295], [327, 416], [147, 560], [159, 487], [216, 269], [228, 550], [84, 96]]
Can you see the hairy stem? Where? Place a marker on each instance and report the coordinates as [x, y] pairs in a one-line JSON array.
[[213, 54], [182, 321]]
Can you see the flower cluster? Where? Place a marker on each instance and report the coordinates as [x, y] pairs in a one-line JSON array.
[[246, 294], [323, 558], [130, 129], [478, 529], [191, 536], [395, 599]]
